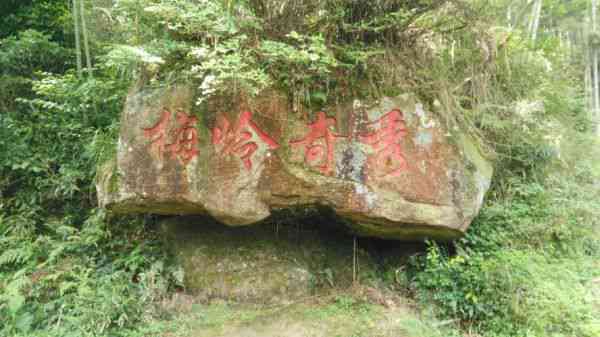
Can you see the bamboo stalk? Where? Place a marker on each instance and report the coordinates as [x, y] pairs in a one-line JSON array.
[[86, 46], [596, 96], [77, 41], [537, 12], [589, 91], [588, 86]]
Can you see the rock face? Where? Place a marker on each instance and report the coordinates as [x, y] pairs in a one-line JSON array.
[[258, 264], [392, 168]]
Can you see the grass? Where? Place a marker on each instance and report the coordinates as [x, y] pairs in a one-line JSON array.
[[344, 315]]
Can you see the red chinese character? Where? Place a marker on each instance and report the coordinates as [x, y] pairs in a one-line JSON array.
[[238, 140], [385, 141], [184, 137], [160, 130], [317, 153]]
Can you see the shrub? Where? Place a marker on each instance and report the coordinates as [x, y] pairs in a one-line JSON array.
[[101, 279], [528, 263]]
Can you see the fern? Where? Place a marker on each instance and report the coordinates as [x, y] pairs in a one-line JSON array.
[[15, 256]]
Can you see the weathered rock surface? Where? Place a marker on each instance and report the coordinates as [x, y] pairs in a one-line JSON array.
[[394, 169], [261, 264]]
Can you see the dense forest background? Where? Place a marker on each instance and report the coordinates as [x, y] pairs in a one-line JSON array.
[[521, 76]]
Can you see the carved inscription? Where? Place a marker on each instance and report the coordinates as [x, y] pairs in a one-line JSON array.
[[244, 138], [179, 141], [240, 139], [318, 144], [387, 158]]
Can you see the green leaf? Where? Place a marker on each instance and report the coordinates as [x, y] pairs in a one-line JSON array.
[[24, 322], [15, 302]]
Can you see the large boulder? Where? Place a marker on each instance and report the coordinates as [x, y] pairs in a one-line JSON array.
[[392, 168]]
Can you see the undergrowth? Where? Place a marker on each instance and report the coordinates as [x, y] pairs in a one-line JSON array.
[[100, 279], [527, 267]]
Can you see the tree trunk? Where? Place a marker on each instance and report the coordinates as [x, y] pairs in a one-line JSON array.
[[535, 20], [596, 100], [86, 46], [588, 88], [77, 42]]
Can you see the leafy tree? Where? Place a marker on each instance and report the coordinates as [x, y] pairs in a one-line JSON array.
[[49, 16]]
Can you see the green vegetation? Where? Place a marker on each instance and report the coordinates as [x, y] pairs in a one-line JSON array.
[[529, 265], [342, 317]]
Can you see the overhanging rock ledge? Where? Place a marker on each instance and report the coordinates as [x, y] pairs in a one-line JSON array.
[[392, 168]]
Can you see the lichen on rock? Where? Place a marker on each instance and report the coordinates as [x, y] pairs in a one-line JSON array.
[[390, 167]]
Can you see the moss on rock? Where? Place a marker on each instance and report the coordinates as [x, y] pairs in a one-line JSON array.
[[263, 263]]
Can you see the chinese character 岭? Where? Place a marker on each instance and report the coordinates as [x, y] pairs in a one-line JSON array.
[[239, 139]]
